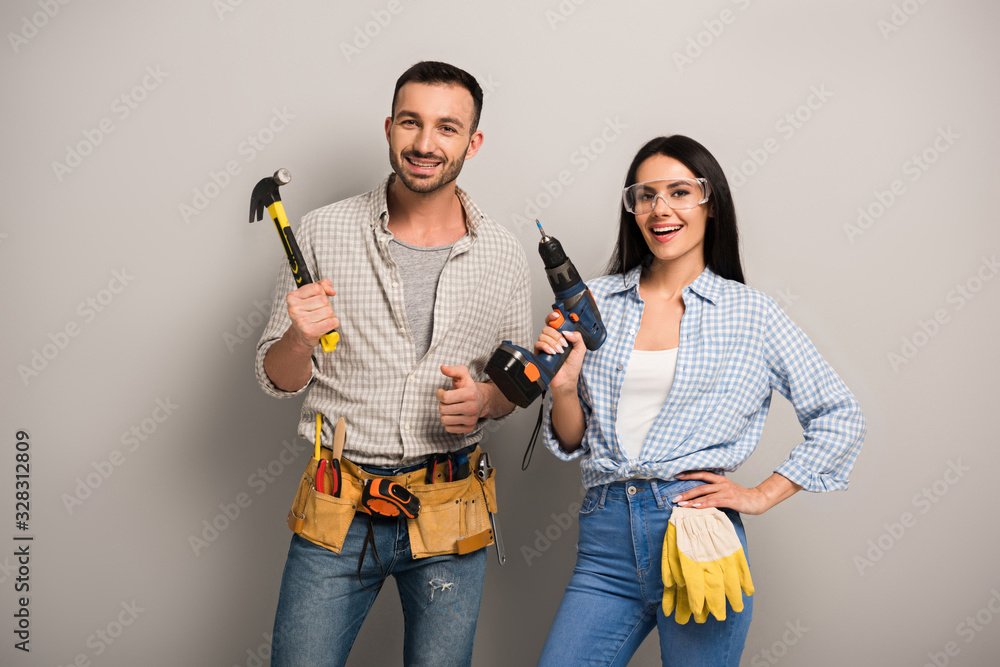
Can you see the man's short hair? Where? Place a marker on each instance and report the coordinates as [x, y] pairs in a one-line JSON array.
[[429, 71]]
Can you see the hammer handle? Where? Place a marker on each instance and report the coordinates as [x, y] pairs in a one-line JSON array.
[[297, 263]]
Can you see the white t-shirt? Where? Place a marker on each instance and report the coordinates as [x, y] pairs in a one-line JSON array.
[[648, 379]]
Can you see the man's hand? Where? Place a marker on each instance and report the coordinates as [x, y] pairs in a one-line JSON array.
[[462, 405], [288, 362], [311, 313]]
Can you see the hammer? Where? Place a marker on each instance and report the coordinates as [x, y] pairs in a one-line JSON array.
[[265, 194]]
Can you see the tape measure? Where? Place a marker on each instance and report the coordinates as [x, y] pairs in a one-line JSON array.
[[387, 498]]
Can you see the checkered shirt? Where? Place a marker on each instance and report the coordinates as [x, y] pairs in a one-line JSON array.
[[736, 346], [373, 379]]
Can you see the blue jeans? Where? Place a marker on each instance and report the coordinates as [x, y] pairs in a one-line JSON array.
[[613, 599], [322, 604]]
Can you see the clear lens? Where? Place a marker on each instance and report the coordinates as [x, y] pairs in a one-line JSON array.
[[678, 193]]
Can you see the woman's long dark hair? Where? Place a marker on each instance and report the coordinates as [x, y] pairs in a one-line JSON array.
[[722, 239]]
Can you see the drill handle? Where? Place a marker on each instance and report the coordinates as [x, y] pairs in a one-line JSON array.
[[549, 364], [579, 313], [569, 319]]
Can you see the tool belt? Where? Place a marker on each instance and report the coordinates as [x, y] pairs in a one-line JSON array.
[[454, 517]]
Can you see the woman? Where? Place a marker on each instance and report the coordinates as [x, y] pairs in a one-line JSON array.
[[675, 397]]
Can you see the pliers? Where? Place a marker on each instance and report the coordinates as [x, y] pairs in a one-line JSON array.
[[336, 480]]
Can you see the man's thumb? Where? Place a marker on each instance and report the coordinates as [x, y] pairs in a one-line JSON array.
[[458, 374]]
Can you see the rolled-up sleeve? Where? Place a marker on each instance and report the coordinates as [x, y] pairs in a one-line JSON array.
[[277, 324], [833, 424]]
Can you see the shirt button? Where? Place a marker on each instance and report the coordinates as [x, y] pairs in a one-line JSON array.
[[406, 427], [631, 490], [402, 330], [619, 367], [412, 378], [631, 332]]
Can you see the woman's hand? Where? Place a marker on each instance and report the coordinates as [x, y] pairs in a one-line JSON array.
[[551, 341], [568, 423], [719, 491]]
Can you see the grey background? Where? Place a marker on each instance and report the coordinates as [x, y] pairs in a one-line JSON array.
[[880, 575]]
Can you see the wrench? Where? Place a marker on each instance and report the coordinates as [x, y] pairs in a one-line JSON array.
[[483, 473]]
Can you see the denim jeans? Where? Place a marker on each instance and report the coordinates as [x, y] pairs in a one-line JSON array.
[[322, 604], [613, 600]]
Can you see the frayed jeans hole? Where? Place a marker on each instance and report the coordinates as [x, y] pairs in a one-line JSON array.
[[440, 585]]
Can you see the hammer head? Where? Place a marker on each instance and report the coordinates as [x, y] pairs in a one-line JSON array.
[[266, 193]]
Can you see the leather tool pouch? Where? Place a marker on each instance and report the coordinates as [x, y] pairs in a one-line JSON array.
[[454, 516], [320, 518]]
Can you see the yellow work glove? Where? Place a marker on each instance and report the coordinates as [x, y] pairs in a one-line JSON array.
[[676, 596], [703, 564]]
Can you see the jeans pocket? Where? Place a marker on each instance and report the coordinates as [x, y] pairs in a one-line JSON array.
[[590, 501]]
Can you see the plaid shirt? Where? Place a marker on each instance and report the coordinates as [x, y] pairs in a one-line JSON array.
[[736, 346], [373, 379]]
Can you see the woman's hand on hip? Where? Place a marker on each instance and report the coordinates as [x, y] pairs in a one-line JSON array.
[[720, 491]]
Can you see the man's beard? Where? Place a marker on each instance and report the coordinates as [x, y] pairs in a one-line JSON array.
[[449, 172]]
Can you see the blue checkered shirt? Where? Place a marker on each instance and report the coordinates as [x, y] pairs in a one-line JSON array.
[[736, 346]]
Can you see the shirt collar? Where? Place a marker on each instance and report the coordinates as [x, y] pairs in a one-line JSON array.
[[630, 280], [379, 203], [707, 285], [380, 208]]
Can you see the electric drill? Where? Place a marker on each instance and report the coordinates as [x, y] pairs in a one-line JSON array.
[[522, 375]]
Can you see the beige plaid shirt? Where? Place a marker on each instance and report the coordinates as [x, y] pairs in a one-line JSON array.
[[372, 379]]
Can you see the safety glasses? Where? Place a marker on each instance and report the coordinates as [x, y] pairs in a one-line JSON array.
[[677, 193]]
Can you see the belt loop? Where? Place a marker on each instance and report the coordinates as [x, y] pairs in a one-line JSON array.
[[656, 493], [604, 494]]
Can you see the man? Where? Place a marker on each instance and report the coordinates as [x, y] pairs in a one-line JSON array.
[[422, 287]]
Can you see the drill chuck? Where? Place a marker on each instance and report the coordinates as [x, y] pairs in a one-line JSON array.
[[563, 278], [560, 271], [551, 251]]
